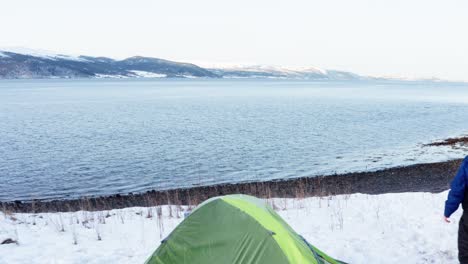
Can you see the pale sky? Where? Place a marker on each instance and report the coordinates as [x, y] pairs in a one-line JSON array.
[[411, 38]]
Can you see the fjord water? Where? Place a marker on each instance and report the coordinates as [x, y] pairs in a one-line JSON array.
[[69, 138]]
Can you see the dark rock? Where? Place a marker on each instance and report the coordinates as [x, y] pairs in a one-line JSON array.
[[9, 241]]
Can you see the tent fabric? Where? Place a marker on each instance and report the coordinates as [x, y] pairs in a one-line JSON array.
[[236, 229]]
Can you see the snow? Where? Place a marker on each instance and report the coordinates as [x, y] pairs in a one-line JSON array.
[[137, 74], [189, 76], [109, 76], [358, 228], [3, 55], [146, 74], [41, 53]]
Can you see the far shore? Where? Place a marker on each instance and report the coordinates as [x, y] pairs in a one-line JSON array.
[[427, 177]]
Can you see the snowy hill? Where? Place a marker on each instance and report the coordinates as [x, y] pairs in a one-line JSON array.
[[264, 71], [27, 64], [23, 63], [45, 54]]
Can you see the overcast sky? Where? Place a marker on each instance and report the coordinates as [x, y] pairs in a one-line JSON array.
[[412, 38]]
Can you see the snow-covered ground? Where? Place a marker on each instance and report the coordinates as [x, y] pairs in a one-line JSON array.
[[358, 228], [146, 74]]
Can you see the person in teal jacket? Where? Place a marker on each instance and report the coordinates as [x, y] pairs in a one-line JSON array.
[[458, 194]]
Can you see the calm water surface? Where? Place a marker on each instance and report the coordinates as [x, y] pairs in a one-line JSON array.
[[68, 138]]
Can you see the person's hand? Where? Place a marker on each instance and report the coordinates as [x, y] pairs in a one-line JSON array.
[[446, 219]]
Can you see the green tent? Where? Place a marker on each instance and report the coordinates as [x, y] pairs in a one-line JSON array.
[[236, 229]]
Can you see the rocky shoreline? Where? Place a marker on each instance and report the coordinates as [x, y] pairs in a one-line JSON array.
[[428, 177]]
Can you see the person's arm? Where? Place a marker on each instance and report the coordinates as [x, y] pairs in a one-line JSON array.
[[457, 190]]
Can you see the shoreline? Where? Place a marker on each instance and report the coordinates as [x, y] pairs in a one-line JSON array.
[[427, 177]]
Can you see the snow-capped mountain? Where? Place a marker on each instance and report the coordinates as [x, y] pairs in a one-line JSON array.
[[38, 53], [263, 71], [23, 63], [26, 64]]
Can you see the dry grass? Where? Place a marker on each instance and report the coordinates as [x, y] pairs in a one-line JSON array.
[[299, 188]]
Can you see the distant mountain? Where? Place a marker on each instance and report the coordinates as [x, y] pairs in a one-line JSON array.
[[27, 65], [21, 63], [262, 71]]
